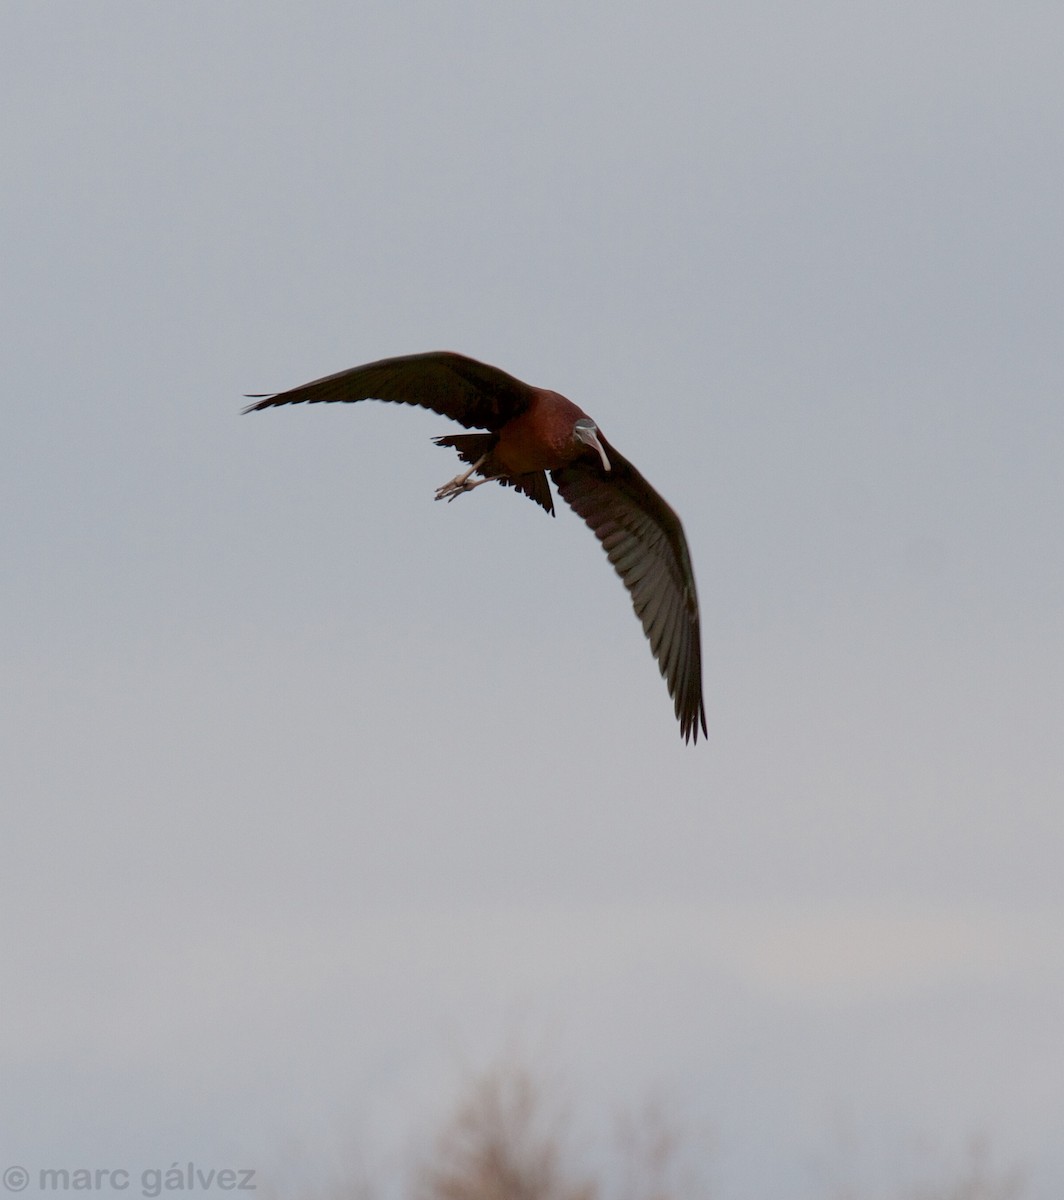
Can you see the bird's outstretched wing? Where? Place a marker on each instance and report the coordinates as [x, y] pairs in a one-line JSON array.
[[645, 542], [469, 392]]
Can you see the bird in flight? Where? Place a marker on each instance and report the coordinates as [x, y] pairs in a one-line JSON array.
[[531, 431]]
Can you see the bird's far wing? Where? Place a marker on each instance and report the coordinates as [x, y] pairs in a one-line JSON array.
[[469, 392], [645, 542]]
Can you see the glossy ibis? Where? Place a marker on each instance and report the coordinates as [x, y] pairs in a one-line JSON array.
[[531, 431]]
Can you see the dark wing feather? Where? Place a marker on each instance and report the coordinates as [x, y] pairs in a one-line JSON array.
[[645, 542], [469, 392]]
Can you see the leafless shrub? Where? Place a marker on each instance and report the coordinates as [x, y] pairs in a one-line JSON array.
[[509, 1139], [502, 1144]]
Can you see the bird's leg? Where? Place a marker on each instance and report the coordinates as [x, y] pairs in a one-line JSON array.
[[461, 483]]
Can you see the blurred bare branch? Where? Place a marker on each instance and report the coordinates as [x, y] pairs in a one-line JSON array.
[[501, 1145]]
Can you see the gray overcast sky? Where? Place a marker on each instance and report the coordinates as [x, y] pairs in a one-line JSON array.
[[317, 793]]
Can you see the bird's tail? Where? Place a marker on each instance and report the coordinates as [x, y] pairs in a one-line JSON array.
[[470, 446]]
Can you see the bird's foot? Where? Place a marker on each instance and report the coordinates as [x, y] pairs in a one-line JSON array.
[[458, 485], [462, 483]]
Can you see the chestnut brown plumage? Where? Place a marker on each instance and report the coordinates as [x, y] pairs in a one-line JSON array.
[[531, 431]]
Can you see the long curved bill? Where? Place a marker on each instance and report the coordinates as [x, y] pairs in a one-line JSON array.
[[588, 434]]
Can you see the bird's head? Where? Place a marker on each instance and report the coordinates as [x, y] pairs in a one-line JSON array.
[[586, 432]]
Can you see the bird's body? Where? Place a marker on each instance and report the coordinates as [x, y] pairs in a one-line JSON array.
[[530, 432], [540, 438]]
